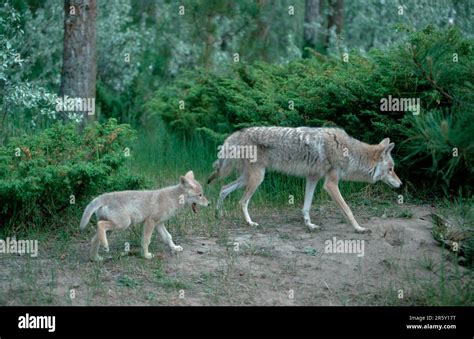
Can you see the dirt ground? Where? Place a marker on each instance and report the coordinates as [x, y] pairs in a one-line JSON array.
[[279, 262]]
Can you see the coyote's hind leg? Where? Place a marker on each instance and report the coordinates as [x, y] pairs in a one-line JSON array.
[[311, 183], [255, 178]]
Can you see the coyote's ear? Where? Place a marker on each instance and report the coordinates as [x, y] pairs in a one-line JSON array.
[[389, 148], [189, 175], [185, 182], [384, 142]]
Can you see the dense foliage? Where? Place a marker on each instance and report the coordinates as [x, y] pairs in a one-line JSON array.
[[47, 175], [143, 44], [181, 67], [347, 92]]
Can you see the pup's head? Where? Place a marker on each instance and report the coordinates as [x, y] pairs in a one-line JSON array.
[[384, 169], [193, 191]]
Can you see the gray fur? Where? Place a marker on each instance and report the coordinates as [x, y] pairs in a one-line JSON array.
[[119, 210], [308, 152]]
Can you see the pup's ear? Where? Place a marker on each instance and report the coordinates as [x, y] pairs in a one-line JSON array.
[[384, 142], [185, 182], [189, 175]]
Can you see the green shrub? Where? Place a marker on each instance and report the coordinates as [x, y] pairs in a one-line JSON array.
[[324, 91], [54, 173], [441, 146]]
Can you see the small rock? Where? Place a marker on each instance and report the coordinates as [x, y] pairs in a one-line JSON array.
[[200, 252]]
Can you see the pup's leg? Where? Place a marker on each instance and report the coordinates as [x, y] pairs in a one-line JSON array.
[[229, 188], [102, 227], [94, 253], [331, 186], [311, 183], [255, 178], [167, 239], [147, 232], [100, 238]]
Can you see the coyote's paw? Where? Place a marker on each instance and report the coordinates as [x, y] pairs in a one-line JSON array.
[[177, 248], [313, 227], [363, 230], [97, 258], [107, 249], [148, 256], [251, 223]]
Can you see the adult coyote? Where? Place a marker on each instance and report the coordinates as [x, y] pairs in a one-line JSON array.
[[309, 152]]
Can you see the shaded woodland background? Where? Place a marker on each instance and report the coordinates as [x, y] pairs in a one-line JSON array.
[[172, 79]]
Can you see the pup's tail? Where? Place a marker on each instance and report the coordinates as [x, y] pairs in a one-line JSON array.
[[93, 206]]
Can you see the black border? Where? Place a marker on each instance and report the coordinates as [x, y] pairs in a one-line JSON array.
[[237, 321]]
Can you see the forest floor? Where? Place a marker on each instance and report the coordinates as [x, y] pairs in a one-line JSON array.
[[279, 262]]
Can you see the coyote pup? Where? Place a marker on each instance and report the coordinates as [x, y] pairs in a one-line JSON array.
[[309, 152], [119, 210]]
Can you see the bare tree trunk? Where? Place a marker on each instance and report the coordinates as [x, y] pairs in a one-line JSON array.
[[335, 18], [310, 31], [79, 69]]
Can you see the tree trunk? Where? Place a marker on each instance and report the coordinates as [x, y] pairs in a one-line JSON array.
[[310, 31], [79, 69], [262, 30], [208, 48], [335, 18], [145, 10]]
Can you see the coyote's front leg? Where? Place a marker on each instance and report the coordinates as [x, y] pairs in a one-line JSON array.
[[331, 186]]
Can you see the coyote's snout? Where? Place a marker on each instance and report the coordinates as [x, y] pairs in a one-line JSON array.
[[309, 152], [119, 210]]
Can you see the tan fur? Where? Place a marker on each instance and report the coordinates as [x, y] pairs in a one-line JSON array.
[[119, 210], [309, 152]]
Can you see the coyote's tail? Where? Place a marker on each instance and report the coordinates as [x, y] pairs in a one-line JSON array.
[[222, 169], [93, 206], [224, 165]]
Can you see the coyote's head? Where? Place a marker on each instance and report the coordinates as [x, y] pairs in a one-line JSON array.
[[193, 191], [384, 168]]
